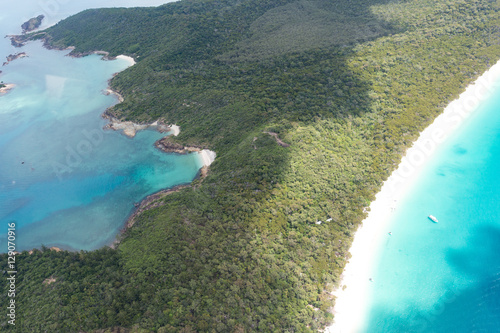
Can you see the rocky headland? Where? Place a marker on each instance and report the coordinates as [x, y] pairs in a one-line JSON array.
[[165, 145], [130, 128], [21, 40], [17, 41], [207, 156]]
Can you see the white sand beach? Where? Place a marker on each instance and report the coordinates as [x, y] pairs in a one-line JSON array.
[[176, 130], [207, 156], [351, 297], [130, 60], [8, 86]]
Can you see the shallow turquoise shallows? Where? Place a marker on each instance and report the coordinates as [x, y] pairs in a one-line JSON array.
[[64, 180], [445, 277]]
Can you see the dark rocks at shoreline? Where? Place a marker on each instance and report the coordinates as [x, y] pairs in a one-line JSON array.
[[170, 147], [21, 40], [16, 42], [32, 24], [150, 202], [12, 57], [167, 146]]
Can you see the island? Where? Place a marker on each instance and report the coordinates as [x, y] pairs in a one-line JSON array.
[[27, 27], [310, 106], [12, 57], [32, 24]]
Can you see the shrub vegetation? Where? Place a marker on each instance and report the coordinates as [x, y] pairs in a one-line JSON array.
[[348, 84]]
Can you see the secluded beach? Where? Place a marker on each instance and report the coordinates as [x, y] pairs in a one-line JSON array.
[[130, 129], [130, 60], [91, 193], [351, 297], [207, 157]]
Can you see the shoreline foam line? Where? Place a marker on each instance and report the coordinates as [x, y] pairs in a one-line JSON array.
[[351, 297]]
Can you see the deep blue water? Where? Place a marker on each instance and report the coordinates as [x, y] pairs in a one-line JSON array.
[[445, 277], [64, 180]]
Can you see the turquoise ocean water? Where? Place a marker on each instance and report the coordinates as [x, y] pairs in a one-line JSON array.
[[78, 183], [64, 180], [445, 277]]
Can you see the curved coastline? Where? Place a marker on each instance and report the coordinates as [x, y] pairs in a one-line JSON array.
[[352, 294], [149, 202], [153, 200], [129, 128], [130, 60]]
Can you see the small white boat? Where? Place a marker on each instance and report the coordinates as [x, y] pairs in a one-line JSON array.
[[433, 218]]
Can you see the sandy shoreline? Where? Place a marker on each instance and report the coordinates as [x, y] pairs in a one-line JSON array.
[[130, 60], [351, 296], [207, 157], [8, 86]]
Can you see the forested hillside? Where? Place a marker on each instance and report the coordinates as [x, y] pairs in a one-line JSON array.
[[347, 85]]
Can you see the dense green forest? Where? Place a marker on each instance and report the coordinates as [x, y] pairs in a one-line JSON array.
[[347, 84]]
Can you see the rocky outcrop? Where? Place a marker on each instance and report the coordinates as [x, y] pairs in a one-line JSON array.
[[21, 40], [130, 128], [12, 57], [16, 41], [170, 147], [32, 24], [167, 146]]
